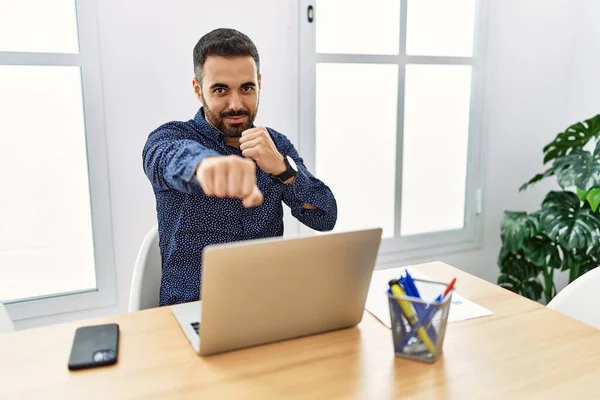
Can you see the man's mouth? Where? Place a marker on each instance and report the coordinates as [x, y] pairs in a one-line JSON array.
[[236, 119]]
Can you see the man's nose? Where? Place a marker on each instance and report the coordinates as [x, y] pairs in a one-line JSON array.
[[235, 102]]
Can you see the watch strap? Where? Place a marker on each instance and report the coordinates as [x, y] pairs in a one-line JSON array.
[[288, 173]]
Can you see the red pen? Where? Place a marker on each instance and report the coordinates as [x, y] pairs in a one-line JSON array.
[[449, 287]]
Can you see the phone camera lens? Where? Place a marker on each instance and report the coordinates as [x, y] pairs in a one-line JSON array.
[[104, 355]]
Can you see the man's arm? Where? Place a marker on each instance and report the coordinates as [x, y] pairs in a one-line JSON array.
[[176, 163], [310, 200], [170, 161]]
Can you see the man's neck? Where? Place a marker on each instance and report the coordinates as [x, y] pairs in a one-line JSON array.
[[232, 141]]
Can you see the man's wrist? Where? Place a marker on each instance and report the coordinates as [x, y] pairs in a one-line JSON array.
[[281, 167], [288, 173]]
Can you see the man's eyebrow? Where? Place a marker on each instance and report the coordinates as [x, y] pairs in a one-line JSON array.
[[249, 84], [219, 85]]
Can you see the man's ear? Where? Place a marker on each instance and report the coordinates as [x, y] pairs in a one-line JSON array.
[[259, 82], [197, 88]]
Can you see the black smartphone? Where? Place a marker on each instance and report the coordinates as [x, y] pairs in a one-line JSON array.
[[94, 346]]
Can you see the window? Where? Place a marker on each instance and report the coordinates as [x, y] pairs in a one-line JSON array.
[[55, 239], [390, 104]]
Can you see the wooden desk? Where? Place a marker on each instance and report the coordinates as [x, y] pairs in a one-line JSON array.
[[523, 351]]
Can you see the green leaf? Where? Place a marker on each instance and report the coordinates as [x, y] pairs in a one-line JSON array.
[[518, 275], [593, 197], [594, 253], [542, 252], [586, 267], [549, 172], [580, 261], [566, 221], [582, 194], [532, 289], [516, 227], [579, 168], [568, 259], [575, 137]]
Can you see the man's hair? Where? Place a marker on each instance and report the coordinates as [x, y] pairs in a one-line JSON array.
[[223, 42]]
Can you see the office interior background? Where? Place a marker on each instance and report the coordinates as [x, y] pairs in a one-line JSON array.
[[534, 71]]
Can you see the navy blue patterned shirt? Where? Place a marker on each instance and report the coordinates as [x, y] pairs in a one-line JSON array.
[[188, 221]]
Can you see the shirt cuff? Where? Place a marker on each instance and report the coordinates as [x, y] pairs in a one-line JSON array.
[[301, 186], [189, 172]]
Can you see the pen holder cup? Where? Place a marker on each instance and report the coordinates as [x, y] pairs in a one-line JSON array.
[[419, 326]]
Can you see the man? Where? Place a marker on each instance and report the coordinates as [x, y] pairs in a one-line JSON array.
[[218, 178]]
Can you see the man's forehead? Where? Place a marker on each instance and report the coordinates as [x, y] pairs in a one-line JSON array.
[[230, 69]]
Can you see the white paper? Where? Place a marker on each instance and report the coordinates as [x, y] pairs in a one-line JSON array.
[[461, 308]]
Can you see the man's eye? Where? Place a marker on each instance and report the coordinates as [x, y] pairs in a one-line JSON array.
[[247, 89], [219, 91]]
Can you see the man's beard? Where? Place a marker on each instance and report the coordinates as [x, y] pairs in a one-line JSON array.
[[233, 130]]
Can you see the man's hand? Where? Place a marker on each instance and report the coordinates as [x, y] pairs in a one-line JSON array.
[[230, 176], [256, 144]]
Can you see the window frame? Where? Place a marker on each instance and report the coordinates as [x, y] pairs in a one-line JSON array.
[[399, 248], [88, 59]]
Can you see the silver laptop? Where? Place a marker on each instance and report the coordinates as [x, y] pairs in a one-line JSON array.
[[267, 290]]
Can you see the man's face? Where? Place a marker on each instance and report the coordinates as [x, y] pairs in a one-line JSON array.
[[229, 92]]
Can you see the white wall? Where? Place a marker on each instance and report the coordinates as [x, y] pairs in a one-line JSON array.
[[146, 47], [584, 98]]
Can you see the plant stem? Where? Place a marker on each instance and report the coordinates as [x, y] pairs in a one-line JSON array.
[[574, 272], [548, 273]]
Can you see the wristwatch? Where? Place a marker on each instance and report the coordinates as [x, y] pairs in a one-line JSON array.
[[291, 170]]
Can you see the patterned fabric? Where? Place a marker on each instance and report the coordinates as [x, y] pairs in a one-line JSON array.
[[188, 221]]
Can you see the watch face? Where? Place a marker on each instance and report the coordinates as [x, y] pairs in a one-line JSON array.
[[292, 163]]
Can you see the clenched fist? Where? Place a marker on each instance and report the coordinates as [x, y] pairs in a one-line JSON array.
[[230, 176], [256, 143]]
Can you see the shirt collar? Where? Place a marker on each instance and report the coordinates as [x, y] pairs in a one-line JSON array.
[[207, 129]]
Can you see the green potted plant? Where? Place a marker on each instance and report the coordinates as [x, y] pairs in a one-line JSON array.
[[565, 233]]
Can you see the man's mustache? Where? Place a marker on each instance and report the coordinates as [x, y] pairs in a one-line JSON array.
[[232, 113]]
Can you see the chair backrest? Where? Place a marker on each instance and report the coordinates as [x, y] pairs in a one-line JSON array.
[[145, 284], [580, 298], [6, 324]]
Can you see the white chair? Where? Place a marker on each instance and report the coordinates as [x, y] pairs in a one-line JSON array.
[[579, 300], [6, 324], [145, 284]]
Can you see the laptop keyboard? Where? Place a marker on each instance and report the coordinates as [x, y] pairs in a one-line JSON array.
[[196, 326]]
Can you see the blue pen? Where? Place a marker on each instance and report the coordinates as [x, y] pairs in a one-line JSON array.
[[411, 282], [421, 309], [426, 319], [429, 314]]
